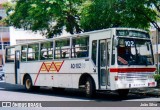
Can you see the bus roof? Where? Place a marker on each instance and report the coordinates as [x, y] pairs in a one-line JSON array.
[[80, 34]]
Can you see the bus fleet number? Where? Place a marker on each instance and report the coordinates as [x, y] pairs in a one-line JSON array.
[[77, 65]]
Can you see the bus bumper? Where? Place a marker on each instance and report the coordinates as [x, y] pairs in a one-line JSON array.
[[122, 85]]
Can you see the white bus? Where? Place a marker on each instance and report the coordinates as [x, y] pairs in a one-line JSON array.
[[115, 59]]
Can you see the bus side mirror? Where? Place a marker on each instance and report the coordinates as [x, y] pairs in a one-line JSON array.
[[148, 45], [116, 42]]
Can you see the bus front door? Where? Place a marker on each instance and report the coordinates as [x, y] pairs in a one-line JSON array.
[[17, 66], [103, 62]]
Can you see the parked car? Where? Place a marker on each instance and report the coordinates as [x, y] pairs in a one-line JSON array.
[[2, 75]]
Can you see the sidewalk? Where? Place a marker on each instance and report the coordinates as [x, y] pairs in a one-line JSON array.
[[147, 91]]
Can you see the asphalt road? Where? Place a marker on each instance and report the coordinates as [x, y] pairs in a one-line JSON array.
[[9, 92], [18, 93]]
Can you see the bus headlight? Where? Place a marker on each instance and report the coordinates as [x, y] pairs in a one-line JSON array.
[[116, 78], [120, 78]]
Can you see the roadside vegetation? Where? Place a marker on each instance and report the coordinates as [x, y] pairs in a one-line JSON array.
[[51, 17], [157, 78]]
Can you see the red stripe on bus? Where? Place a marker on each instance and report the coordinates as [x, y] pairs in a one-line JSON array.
[[44, 67], [60, 66], [129, 70], [38, 73]]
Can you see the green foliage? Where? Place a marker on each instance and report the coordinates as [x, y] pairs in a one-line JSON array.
[[48, 16], [157, 77], [100, 14], [52, 16]]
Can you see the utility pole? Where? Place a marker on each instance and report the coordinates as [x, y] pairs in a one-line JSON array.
[[3, 57], [157, 35]]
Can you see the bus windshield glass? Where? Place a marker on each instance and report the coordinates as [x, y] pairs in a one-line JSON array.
[[134, 52]]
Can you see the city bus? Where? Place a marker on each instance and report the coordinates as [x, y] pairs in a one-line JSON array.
[[114, 59]]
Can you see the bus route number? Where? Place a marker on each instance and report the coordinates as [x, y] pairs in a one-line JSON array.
[[129, 43]]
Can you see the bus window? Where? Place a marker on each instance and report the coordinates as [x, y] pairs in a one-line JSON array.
[[94, 51], [62, 48], [24, 53], [33, 52], [10, 54], [134, 52], [80, 47], [46, 51]]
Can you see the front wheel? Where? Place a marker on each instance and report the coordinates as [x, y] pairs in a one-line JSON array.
[[123, 92], [89, 88]]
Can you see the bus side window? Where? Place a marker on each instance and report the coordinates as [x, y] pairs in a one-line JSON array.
[[46, 51], [80, 47], [24, 53], [62, 49], [94, 51], [33, 52], [10, 54]]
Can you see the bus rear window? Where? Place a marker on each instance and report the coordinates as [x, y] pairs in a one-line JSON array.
[[10, 54]]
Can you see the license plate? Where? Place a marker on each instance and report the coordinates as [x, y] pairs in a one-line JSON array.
[[137, 85]]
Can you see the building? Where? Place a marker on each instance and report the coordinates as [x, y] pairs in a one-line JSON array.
[[12, 36], [4, 33], [18, 36], [155, 36]]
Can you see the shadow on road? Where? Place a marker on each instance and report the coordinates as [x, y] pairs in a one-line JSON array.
[[70, 93]]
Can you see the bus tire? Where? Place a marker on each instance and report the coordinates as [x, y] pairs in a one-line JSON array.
[[89, 88], [28, 83], [123, 92]]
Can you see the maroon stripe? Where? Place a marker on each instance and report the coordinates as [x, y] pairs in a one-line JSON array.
[[128, 70]]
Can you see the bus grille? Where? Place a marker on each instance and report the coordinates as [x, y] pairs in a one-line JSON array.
[[134, 76]]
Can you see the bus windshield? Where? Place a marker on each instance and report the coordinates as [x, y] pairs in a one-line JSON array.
[[134, 52]]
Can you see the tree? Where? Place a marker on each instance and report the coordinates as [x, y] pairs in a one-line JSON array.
[[48, 16], [156, 5], [100, 14], [52, 16]]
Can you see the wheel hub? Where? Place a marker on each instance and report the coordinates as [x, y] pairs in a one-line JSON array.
[[87, 87], [28, 84]]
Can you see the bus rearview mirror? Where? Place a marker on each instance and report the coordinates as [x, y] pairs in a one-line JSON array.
[[116, 42]]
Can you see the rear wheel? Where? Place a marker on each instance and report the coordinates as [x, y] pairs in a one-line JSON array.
[[28, 83], [123, 92], [89, 88]]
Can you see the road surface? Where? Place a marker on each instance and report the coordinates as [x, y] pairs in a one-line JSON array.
[[9, 92]]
